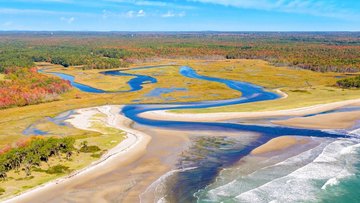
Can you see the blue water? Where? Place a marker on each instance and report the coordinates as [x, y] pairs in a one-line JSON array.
[[157, 92], [190, 181], [71, 79], [207, 168], [343, 109], [135, 84], [58, 120], [32, 130]]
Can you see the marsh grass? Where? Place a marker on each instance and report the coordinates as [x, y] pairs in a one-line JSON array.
[[321, 87]]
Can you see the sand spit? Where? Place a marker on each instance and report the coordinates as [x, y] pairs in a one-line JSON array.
[[209, 117]]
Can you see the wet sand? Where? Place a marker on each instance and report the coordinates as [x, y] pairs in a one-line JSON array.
[[279, 143], [343, 120]]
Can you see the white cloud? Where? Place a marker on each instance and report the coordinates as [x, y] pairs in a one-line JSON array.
[[132, 14], [68, 20], [40, 12], [141, 13], [325, 8], [8, 23], [153, 3], [171, 14]]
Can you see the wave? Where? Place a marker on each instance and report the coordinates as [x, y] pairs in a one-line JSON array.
[[157, 191], [257, 178], [303, 184], [298, 178]]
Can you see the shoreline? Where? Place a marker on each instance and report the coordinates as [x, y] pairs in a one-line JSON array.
[[133, 146], [136, 143]]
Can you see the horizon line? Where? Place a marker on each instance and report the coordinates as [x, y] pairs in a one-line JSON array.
[[165, 31]]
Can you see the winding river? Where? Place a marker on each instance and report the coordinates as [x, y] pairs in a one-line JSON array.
[[195, 176], [135, 83]]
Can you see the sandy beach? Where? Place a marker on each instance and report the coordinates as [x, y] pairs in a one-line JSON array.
[[128, 151], [121, 175]]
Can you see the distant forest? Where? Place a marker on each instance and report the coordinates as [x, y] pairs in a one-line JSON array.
[[317, 51], [21, 84]]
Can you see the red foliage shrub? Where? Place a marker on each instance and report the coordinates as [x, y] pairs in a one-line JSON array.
[[5, 149], [26, 87]]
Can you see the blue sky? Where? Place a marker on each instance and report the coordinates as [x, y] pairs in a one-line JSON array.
[[180, 15]]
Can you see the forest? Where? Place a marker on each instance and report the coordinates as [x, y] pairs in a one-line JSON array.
[[31, 152], [19, 51], [317, 51]]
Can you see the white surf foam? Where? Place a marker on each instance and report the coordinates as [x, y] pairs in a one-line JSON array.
[[299, 178], [225, 190], [156, 192], [304, 183]]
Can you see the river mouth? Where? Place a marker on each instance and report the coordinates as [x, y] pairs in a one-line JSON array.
[[202, 160]]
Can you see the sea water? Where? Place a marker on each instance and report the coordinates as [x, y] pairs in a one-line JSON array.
[[328, 172]]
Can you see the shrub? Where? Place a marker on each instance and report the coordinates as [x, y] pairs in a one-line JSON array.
[[25, 86], [353, 82], [58, 169], [2, 190], [89, 149]]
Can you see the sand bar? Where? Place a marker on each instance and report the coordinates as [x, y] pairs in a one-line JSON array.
[[208, 117], [279, 143], [343, 120]]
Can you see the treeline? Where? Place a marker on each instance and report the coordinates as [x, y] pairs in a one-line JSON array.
[[34, 151], [353, 82], [320, 58], [24, 86], [21, 55], [338, 52]]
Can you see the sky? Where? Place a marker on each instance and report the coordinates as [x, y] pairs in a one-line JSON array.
[[180, 15]]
